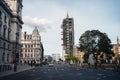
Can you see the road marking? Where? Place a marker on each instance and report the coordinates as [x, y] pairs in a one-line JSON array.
[[98, 78], [99, 74]]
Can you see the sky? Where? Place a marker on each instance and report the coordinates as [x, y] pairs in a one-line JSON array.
[[47, 15]]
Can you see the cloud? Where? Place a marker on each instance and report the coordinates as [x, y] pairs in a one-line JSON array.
[[43, 24]]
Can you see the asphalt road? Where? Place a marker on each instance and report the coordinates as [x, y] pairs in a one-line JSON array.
[[63, 72]]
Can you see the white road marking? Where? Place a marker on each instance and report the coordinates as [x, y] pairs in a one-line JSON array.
[[98, 78], [99, 74]]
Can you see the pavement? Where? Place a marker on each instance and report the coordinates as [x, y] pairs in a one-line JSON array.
[[20, 68]]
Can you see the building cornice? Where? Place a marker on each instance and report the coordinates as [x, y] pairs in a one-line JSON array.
[[6, 7], [16, 17]]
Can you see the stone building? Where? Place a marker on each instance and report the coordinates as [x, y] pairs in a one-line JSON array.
[[10, 31], [32, 48], [116, 48], [68, 36], [78, 54]]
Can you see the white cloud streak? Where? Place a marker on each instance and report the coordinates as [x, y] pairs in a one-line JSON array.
[[43, 24]]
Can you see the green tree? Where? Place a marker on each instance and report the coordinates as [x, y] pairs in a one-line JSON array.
[[69, 58], [95, 42]]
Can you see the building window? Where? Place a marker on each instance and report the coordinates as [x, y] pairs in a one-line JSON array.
[[31, 46], [25, 46], [9, 22], [4, 31], [28, 46], [31, 55], [22, 45], [5, 18], [25, 37], [28, 55], [34, 45], [0, 27], [25, 55], [8, 46], [21, 55], [25, 50], [0, 43], [0, 14], [4, 45], [9, 30], [3, 57], [7, 57], [21, 50]]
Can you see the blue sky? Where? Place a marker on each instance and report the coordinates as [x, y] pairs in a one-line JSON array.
[[103, 15]]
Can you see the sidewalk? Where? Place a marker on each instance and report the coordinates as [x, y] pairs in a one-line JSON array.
[[20, 68]]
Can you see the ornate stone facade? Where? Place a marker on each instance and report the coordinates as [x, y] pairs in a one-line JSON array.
[[32, 48], [116, 48], [10, 30], [10, 33]]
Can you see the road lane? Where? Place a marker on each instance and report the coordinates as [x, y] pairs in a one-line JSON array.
[[63, 72]]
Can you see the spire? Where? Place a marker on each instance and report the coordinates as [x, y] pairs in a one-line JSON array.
[[67, 15], [117, 40]]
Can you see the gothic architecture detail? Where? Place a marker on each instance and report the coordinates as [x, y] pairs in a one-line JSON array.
[[68, 35], [32, 48], [116, 48]]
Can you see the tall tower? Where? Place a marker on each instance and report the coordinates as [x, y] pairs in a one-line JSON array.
[[118, 46], [68, 35]]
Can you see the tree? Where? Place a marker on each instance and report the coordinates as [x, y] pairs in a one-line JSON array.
[[95, 42], [71, 58]]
